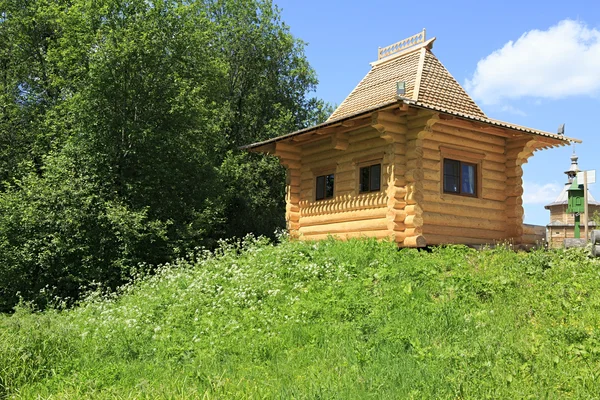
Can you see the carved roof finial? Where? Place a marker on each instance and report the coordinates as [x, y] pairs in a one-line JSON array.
[[574, 169], [402, 45]]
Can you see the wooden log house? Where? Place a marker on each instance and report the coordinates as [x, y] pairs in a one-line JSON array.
[[408, 155]]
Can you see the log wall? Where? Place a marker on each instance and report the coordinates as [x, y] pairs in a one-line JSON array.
[[349, 213], [411, 207], [452, 218]]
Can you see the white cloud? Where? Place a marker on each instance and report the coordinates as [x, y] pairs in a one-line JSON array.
[[561, 61], [512, 110], [535, 193]]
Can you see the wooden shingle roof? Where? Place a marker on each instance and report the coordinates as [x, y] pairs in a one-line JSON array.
[[427, 83]]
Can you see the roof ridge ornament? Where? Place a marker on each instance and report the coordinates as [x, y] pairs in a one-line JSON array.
[[402, 45]]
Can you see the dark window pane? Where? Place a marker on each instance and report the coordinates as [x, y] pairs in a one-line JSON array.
[[329, 186], [364, 179], [467, 179], [450, 184], [375, 183], [320, 188], [451, 176]]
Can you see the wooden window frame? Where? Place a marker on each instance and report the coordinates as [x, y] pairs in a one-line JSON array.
[[324, 175], [460, 178], [462, 156], [370, 166]]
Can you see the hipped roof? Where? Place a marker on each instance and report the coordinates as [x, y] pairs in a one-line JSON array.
[[427, 82], [428, 85]]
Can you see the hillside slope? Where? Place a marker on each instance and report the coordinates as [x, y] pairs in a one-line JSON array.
[[355, 319]]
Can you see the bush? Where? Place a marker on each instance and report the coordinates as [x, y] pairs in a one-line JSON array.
[[59, 235]]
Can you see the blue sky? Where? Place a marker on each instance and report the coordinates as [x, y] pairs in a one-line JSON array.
[[548, 53]]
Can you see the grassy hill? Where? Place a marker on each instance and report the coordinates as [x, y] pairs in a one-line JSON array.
[[324, 320]]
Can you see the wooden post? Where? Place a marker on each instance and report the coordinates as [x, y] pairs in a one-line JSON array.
[[585, 205]]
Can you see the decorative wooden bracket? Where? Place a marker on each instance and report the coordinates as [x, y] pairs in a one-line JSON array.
[[289, 155], [339, 141], [388, 126]]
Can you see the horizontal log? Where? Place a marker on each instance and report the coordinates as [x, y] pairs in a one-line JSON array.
[[490, 194], [413, 209], [481, 233], [465, 143], [399, 215], [285, 155], [413, 221], [431, 175], [514, 181], [434, 165], [396, 226], [494, 175], [521, 142], [434, 152], [469, 134], [494, 166], [341, 227], [433, 239], [431, 218], [493, 184], [497, 214], [349, 216], [514, 201], [326, 151], [289, 148], [418, 122], [416, 231], [377, 234], [290, 164], [413, 152], [514, 171], [363, 134], [414, 175], [433, 186], [293, 198], [431, 154], [294, 180], [414, 241]]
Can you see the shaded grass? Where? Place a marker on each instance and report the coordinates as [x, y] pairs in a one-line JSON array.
[[325, 320]]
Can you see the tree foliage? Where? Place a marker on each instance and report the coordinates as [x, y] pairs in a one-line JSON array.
[[119, 128]]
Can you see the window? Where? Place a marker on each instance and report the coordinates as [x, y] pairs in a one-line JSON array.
[[324, 187], [460, 177], [370, 178]]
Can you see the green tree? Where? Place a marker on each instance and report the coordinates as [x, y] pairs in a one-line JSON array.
[[134, 110]]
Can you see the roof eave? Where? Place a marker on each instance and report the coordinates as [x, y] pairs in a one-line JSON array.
[[565, 139], [562, 140], [325, 124]]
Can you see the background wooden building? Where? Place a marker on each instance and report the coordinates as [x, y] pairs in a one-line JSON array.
[[562, 223], [409, 155]]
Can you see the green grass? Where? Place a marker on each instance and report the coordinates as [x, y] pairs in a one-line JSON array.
[[325, 320]]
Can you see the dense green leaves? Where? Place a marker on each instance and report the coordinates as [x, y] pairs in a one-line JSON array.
[[140, 106]]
